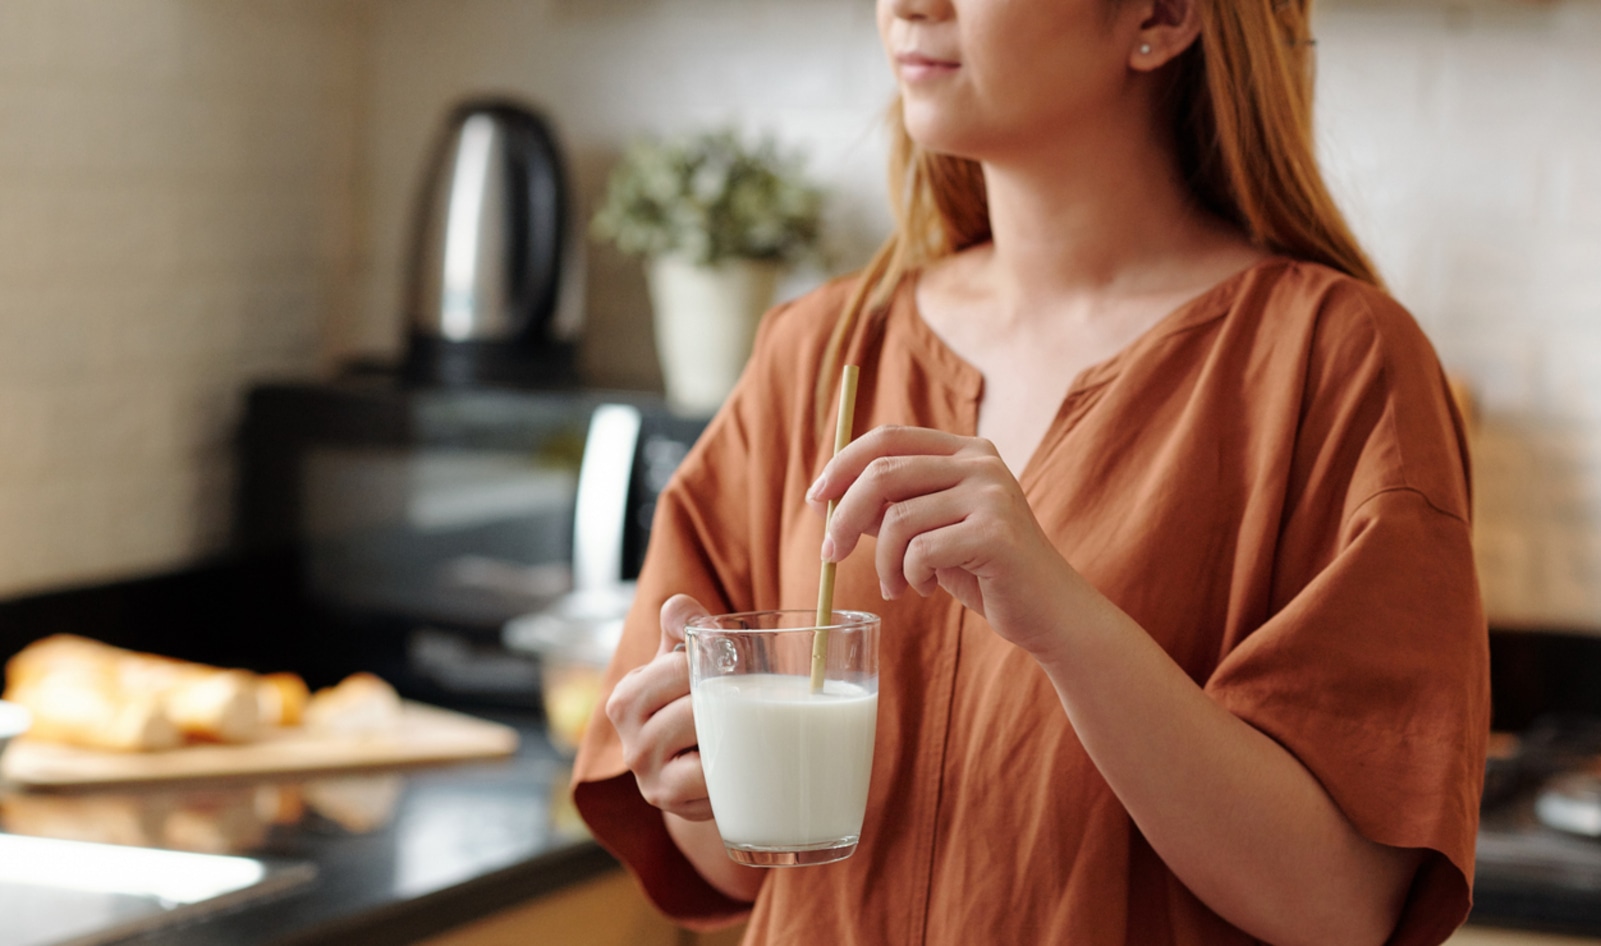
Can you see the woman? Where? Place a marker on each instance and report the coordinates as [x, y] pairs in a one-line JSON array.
[[1166, 511]]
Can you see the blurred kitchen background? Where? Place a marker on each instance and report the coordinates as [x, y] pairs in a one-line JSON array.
[[200, 198], [196, 195]]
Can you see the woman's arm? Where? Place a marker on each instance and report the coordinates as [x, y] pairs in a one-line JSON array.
[[703, 847], [1236, 817]]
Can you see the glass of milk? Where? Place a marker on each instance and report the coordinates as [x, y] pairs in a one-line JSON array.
[[786, 768]]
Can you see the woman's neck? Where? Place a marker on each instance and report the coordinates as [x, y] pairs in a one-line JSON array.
[[1102, 217]]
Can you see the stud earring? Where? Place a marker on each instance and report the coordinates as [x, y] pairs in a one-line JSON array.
[[1145, 49]]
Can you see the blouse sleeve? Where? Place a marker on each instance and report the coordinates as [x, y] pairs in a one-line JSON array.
[[1373, 669], [708, 524]]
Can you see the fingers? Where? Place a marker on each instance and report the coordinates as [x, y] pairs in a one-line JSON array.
[[889, 441], [909, 533], [886, 465], [677, 612], [941, 506], [937, 556], [651, 710], [878, 492], [682, 789], [644, 691], [931, 490], [666, 763]]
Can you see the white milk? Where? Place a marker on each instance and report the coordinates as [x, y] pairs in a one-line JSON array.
[[785, 766]]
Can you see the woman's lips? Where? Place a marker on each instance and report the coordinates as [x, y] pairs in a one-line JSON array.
[[917, 67]]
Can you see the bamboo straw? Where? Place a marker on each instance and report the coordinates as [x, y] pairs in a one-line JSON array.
[[825, 587]]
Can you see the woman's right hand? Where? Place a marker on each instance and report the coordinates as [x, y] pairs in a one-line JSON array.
[[651, 711]]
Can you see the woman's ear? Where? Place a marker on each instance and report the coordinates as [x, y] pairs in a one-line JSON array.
[[1166, 29]]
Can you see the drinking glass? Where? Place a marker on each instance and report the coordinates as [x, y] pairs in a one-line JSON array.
[[786, 768]]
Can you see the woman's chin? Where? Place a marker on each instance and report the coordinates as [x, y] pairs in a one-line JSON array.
[[940, 135]]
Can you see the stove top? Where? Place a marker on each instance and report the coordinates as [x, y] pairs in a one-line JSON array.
[[1539, 861]]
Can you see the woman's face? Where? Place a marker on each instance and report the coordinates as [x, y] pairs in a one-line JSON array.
[[985, 78]]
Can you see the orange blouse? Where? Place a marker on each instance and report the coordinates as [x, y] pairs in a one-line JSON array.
[[1272, 481]]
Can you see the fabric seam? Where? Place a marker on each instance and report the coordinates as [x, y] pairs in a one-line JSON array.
[[940, 774], [1403, 488]]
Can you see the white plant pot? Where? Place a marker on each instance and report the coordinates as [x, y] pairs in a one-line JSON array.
[[706, 319]]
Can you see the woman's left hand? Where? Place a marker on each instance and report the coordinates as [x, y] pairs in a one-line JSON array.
[[949, 514]]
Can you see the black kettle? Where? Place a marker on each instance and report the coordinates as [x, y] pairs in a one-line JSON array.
[[494, 293]]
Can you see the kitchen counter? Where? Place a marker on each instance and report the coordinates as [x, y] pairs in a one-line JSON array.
[[398, 854], [402, 855], [1484, 936]]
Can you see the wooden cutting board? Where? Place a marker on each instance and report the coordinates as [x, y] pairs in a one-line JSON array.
[[421, 734]]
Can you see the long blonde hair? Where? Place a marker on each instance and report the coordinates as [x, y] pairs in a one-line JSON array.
[[1241, 102]]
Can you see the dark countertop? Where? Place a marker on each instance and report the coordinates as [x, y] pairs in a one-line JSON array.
[[399, 854], [403, 854]]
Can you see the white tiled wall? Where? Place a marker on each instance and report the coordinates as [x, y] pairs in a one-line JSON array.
[[194, 193], [175, 218], [1465, 141]]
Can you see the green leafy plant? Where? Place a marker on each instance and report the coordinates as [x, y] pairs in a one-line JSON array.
[[710, 197]]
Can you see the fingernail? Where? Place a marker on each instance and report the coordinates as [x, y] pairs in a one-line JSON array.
[[678, 648], [828, 548], [817, 487]]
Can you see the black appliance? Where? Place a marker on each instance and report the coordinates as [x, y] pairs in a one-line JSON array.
[[1538, 862], [494, 285], [420, 520]]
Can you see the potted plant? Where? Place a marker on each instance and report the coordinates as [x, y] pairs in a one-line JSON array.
[[716, 220]]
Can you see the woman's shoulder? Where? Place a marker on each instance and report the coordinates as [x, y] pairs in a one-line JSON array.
[[1309, 317], [809, 318], [793, 339], [1339, 309], [1364, 355], [790, 347]]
